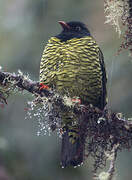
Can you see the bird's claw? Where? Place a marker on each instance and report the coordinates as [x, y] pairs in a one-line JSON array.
[[43, 86], [76, 100]]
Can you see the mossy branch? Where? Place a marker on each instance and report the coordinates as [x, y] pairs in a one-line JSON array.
[[102, 133], [119, 14], [13, 80], [22, 82]]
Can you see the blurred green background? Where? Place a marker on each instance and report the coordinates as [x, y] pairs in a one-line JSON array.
[[25, 27]]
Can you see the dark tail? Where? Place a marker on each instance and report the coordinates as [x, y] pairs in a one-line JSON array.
[[72, 154]]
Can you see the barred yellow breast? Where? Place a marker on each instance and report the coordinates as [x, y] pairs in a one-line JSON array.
[[73, 67]]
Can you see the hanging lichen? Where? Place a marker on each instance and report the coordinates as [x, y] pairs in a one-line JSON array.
[[119, 14]]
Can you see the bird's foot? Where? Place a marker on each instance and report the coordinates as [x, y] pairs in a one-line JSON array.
[[76, 100], [43, 86]]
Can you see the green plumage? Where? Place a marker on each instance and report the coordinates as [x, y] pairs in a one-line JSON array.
[[74, 66]]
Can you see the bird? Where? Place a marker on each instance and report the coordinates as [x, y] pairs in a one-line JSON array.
[[73, 64]]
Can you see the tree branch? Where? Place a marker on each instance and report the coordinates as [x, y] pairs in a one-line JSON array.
[[24, 83], [100, 131]]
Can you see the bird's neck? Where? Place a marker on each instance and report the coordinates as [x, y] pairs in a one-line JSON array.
[[64, 36]]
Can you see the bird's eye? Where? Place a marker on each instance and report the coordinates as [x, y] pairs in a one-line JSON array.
[[78, 28]]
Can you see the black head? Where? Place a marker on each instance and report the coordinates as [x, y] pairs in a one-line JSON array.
[[73, 29]]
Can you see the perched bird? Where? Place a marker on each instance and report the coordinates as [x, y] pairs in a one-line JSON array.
[[73, 64]]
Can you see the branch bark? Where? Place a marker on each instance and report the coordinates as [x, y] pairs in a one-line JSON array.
[[104, 130]]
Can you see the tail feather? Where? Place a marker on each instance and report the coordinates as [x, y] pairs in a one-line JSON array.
[[72, 154]]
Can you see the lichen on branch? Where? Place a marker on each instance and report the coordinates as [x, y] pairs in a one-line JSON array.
[[103, 133], [119, 14]]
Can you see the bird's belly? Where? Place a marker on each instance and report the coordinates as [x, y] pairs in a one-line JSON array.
[[80, 81], [73, 70]]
